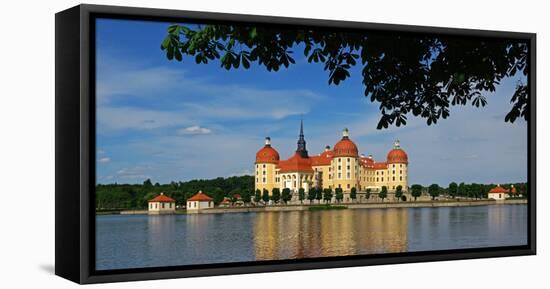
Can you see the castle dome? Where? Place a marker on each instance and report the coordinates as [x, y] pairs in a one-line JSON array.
[[345, 147], [397, 155], [267, 154]]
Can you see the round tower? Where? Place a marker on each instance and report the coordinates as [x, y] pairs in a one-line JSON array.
[[345, 163], [398, 172], [267, 159]]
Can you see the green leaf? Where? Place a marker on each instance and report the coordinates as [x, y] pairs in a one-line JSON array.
[[178, 55], [173, 28], [170, 53], [165, 42], [253, 33], [246, 63]]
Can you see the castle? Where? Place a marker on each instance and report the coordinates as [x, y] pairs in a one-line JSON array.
[[339, 167]]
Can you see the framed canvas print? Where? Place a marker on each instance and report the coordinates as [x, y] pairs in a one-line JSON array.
[[195, 144]]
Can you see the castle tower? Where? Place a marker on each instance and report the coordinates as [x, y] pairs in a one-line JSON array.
[[301, 149], [345, 164], [398, 163], [267, 159]]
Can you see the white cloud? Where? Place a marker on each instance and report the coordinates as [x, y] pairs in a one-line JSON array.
[[135, 174], [121, 118], [193, 130], [104, 160], [176, 99]]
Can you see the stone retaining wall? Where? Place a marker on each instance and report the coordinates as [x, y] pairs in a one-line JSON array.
[[381, 205]]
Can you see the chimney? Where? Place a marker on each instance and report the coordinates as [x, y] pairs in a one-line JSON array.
[[268, 141]]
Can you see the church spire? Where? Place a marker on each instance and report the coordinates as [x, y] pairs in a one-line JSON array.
[[301, 141]]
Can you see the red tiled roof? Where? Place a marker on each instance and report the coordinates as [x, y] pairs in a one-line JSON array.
[[498, 190], [366, 162], [200, 196], [398, 156], [267, 154], [323, 159], [162, 198], [379, 166], [345, 148], [514, 190], [296, 163]]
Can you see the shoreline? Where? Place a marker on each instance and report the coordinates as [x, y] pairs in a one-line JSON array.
[[351, 206]]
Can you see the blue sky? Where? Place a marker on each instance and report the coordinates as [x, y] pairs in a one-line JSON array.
[[172, 121]]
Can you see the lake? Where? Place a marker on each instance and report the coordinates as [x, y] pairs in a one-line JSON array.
[[134, 241]]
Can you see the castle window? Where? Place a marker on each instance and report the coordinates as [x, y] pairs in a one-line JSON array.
[[339, 168], [382, 179], [340, 186], [393, 172], [348, 158], [339, 160], [339, 175], [377, 179], [400, 172], [393, 165], [256, 180], [348, 168], [394, 179], [400, 178], [263, 173], [264, 166], [294, 183], [348, 175], [400, 165], [348, 186], [264, 180]]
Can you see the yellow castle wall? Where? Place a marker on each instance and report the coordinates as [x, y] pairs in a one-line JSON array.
[[265, 177]]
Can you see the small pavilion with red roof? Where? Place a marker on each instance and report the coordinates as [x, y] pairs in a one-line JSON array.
[[199, 201], [162, 204], [499, 193]]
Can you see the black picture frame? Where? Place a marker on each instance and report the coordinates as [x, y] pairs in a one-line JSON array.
[[75, 149]]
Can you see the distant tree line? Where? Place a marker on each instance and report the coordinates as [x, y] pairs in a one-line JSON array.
[[135, 196], [473, 190]]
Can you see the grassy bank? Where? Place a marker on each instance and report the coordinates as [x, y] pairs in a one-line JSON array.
[[326, 207], [107, 212]]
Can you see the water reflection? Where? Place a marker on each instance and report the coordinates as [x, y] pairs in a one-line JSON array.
[[329, 233], [126, 241]]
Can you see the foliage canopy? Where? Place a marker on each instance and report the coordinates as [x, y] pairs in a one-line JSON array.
[[405, 74]]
